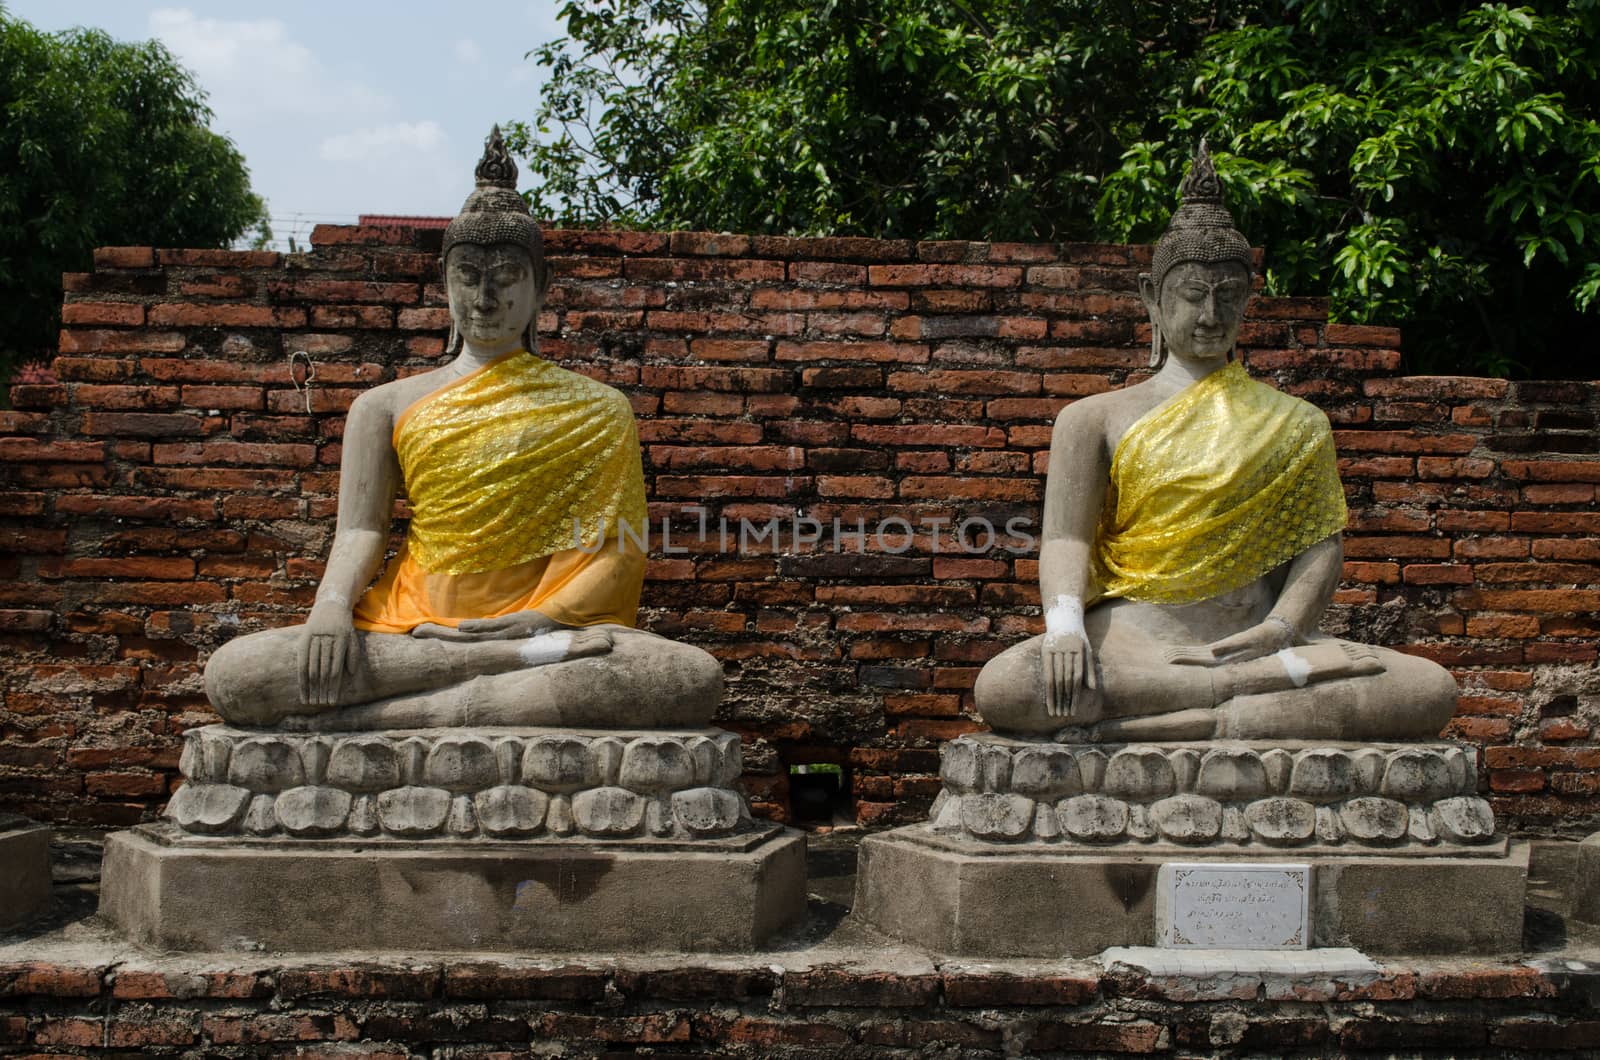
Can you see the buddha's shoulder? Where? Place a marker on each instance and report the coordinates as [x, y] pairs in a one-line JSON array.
[[590, 387], [1096, 412]]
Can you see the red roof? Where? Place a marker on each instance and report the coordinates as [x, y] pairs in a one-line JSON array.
[[400, 220]]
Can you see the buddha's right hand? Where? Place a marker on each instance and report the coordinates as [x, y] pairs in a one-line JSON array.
[[329, 652], [1068, 669]]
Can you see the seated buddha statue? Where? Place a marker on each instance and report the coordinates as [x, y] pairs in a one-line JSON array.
[[513, 600], [1191, 542]]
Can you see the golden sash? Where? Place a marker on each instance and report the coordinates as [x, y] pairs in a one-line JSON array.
[[519, 460], [509, 471], [1214, 488]]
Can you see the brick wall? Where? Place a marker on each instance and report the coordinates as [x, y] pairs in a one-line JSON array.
[[176, 488]]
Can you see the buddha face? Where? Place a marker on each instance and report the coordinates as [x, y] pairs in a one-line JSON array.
[[495, 293], [1199, 307]]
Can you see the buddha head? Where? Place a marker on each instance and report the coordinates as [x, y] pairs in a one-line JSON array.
[[1199, 281], [493, 259]]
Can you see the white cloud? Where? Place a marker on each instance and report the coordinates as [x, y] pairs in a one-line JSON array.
[[360, 145], [254, 69], [468, 52]]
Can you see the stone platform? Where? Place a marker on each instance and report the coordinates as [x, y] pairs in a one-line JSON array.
[[24, 870], [1038, 849], [174, 891], [492, 840]]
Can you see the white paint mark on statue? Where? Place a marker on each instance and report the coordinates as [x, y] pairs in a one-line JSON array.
[[1065, 617], [1295, 666], [546, 648], [1233, 906]]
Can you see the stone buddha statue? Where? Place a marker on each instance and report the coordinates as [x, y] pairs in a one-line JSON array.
[[514, 598], [1192, 542]]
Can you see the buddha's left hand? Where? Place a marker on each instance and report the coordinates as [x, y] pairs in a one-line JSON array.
[[1263, 638], [517, 626]]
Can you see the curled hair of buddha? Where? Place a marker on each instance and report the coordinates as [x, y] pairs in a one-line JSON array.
[[495, 214], [1201, 228]]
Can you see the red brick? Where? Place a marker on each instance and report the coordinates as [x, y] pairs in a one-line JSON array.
[[967, 989], [226, 316], [127, 314], [36, 450], [417, 983], [652, 1028], [44, 979], [220, 259], [124, 257], [944, 276], [958, 381], [365, 291], [225, 452]]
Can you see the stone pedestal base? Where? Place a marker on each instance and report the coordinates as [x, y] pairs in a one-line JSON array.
[[24, 870], [171, 890], [968, 898]]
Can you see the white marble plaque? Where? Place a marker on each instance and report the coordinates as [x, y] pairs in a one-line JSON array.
[[1214, 905]]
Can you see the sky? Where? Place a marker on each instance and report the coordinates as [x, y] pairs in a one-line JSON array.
[[343, 107]]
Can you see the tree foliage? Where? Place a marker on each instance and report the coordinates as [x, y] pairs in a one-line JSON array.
[[1430, 164], [102, 144]]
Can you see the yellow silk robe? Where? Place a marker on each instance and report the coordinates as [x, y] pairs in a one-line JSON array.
[[519, 476], [1214, 488]]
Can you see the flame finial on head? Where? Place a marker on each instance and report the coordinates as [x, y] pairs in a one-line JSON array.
[[496, 166], [494, 212], [1201, 228]]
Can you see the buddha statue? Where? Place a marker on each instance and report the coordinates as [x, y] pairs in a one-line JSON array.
[[514, 597], [1191, 542]]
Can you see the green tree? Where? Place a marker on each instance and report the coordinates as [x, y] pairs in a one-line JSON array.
[[103, 143], [1434, 165]]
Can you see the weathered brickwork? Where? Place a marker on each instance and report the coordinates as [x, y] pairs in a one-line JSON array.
[[502, 1009], [175, 487]]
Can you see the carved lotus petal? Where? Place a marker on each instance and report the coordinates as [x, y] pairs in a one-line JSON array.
[[1279, 764], [958, 765], [1185, 767], [461, 763], [992, 816], [994, 768], [1322, 774], [605, 760], [1092, 818], [1141, 773], [1417, 775], [265, 764], [209, 809], [1281, 821], [1466, 819], [558, 763], [205, 756], [730, 751], [707, 811], [653, 764], [1045, 773], [1231, 773], [1370, 819], [1187, 818], [1091, 767], [608, 811], [364, 763], [414, 811], [511, 810], [1368, 763], [313, 810], [706, 759]]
